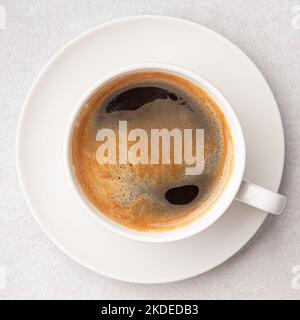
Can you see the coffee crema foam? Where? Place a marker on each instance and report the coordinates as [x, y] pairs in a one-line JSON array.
[[151, 197]]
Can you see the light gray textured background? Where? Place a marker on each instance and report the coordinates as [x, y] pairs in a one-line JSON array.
[[34, 31]]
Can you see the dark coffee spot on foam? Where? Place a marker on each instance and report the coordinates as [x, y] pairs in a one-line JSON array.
[[182, 195], [172, 96], [135, 98]]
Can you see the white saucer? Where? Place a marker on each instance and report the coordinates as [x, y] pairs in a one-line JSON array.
[[56, 91]]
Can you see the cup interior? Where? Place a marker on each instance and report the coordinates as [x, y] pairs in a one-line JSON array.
[[219, 206]]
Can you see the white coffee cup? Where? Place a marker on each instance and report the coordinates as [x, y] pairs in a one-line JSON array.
[[236, 188]]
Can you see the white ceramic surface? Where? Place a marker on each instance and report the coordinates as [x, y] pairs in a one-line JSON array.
[[71, 72], [220, 205]]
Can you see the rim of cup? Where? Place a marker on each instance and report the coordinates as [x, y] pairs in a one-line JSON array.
[[218, 207]]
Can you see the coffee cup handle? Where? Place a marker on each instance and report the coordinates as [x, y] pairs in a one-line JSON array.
[[261, 198]]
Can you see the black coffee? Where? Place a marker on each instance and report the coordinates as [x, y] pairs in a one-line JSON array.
[[151, 197]]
